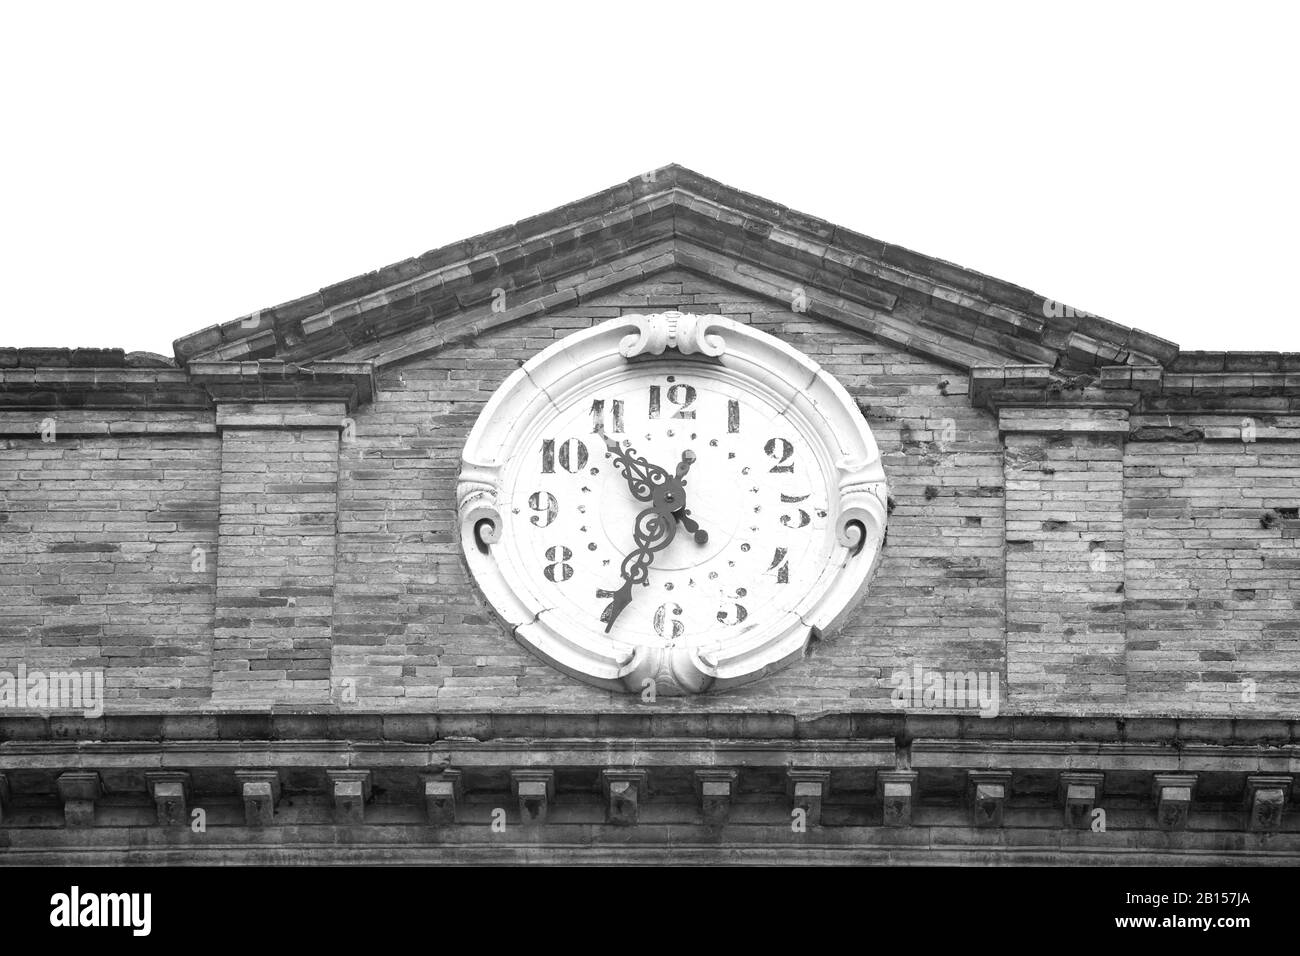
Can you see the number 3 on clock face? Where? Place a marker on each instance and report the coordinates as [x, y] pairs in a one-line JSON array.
[[756, 488], [690, 515]]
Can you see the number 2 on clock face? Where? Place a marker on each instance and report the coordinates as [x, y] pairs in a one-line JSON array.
[[674, 496], [750, 486]]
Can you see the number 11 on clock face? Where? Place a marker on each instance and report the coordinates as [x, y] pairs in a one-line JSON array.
[[746, 521]]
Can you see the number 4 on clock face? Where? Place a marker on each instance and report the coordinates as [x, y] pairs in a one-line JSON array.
[[674, 502], [757, 489]]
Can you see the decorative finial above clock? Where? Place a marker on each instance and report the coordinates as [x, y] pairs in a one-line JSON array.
[[683, 331], [657, 524]]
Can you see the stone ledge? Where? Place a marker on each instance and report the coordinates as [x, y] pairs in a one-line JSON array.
[[655, 804], [335, 723], [274, 381], [281, 416], [1069, 419], [695, 846], [138, 389], [81, 358], [1140, 388], [1195, 361]]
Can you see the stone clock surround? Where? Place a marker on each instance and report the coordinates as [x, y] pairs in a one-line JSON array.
[[758, 361], [1097, 450]]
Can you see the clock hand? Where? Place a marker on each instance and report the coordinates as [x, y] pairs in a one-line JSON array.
[[691, 525], [683, 466], [623, 596], [644, 478], [640, 475], [653, 532]]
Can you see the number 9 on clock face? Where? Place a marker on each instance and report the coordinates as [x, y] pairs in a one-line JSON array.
[[677, 498], [757, 487]]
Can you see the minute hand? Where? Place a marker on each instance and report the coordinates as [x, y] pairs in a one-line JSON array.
[[642, 478], [654, 531]]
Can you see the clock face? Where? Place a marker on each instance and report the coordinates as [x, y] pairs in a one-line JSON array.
[[757, 494], [671, 499]]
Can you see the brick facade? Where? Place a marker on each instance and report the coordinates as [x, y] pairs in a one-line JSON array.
[[266, 526]]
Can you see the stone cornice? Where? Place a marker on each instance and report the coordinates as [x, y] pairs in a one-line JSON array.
[[1176, 797], [56, 387], [271, 381], [673, 218], [81, 358], [567, 254], [359, 754], [89, 390], [1140, 389], [1188, 788], [1064, 419], [338, 723]]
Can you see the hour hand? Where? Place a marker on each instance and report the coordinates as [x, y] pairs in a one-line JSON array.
[[683, 466], [690, 524]]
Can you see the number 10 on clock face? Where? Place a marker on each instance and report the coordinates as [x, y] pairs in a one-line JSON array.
[[754, 486]]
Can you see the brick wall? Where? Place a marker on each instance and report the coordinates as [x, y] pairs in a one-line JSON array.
[[1147, 568], [107, 549], [275, 576], [410, 626], [1065, 558], [1213, 582]]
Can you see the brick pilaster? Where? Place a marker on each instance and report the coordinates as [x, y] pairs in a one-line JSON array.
[[1065, 555], [275, 551], [280, 430]]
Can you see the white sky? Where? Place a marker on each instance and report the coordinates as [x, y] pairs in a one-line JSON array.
[[165, 166]]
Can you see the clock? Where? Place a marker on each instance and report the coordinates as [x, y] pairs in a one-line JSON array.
[[671, 503]]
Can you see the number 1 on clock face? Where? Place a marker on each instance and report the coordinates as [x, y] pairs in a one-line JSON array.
[[680, 395], [758, 497]]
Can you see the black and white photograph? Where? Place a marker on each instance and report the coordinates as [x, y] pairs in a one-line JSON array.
[[701, 436]]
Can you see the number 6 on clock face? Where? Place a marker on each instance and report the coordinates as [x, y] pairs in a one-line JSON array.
[[678, 515]]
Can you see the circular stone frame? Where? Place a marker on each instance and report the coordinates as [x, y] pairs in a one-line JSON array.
[[826, 412]]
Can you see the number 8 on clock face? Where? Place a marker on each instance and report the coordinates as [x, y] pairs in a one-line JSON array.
[[671, 509], [755, 487]]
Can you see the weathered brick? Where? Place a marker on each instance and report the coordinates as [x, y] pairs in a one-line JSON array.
[[1089, 572]]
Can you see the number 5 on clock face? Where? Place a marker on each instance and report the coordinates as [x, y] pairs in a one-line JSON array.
[[755, 489], [683, 498]]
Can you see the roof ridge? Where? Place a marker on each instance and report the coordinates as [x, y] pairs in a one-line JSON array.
[[699, 210]]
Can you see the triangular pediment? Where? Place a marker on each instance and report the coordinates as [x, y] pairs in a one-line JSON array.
[[675, 219]]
